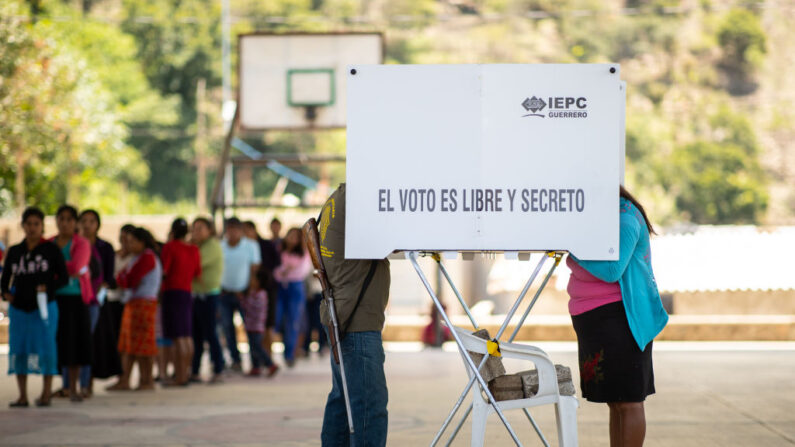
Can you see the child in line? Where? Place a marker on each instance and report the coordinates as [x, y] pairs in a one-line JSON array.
[[255, 309]]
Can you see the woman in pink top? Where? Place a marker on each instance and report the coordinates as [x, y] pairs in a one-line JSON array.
[[295, 267], [614, 368], [75, 343]]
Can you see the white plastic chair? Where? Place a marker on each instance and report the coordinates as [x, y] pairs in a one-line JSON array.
[[565, 406]]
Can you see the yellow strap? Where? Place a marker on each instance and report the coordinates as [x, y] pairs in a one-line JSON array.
[[436, 257], [493, 347]]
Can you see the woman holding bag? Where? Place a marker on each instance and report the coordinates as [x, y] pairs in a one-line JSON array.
[[33, 270], [75, 343]]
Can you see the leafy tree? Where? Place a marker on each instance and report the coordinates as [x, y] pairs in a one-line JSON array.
[[720, 181], [177, 44], [61, 133], [743, 42]]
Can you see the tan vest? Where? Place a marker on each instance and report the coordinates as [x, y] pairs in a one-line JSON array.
[[347, 276]]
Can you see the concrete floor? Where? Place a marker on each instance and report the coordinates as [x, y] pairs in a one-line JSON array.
[[708, 394]]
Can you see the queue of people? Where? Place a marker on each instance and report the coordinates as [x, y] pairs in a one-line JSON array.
[[81, 310]]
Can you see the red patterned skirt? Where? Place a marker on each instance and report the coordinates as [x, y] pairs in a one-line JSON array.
[[137, 333]]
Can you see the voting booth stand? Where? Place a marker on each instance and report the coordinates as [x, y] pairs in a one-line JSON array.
[[493, 345], [512, 159]]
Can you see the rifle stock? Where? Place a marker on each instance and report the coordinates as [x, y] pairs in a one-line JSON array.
[[312, 238]]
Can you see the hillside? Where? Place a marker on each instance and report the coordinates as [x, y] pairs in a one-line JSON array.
[[710, 118]]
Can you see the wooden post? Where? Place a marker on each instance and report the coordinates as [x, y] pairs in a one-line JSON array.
[[218, 201], [201, 147]]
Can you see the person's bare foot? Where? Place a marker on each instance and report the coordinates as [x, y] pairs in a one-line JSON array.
[[118, 387], [145, 387]]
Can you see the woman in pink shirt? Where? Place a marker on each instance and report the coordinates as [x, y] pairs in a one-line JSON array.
[[295, 267]]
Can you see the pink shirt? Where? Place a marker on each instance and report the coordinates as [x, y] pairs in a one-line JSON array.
[[294, 268], [588, 292]]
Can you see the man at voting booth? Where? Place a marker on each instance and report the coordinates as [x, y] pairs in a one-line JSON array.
[[361, 291]]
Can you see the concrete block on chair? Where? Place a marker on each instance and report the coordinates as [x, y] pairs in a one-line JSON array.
[[565, 383], [507, 387]]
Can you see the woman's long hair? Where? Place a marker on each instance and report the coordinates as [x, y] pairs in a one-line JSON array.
[[298, 249], [625, 194], [143, 235]]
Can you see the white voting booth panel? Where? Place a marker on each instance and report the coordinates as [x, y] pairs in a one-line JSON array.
[[282, 74], [484, 158]]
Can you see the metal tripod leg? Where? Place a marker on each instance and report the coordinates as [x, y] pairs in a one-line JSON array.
[[465, 354], [536, 428], [461, 300], [499, 334], [558, 256]]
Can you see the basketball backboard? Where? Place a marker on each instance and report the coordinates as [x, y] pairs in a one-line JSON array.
[[297, 81]]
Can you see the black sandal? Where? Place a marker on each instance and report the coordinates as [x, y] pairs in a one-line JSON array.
[[18, 404], [43, 403], [62, 393]]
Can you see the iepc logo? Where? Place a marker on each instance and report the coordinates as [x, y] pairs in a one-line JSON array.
[[559, 106]]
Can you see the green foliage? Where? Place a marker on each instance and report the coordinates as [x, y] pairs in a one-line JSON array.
[[718, 183], [720, 180], [177, 44], [176, 50], [60, 124], [410, 13], [743, 44], [742, 40]]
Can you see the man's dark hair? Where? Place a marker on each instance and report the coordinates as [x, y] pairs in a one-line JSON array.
[[67, 209], [96, 216], [276, 220], [127, 228], [179, 228], [232, 222], [32, 211], [250, 224], [206, 222]]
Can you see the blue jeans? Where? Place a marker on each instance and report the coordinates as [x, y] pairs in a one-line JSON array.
[[289, 314], [227, 306], [204, 330], [258, 355], [85, 370], [363, 357], [313, 322]]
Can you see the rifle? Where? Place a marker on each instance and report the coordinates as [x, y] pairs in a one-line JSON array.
[[312, 238]]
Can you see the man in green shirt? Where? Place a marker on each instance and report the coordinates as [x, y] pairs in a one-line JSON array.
[[361, 291], [206, 292]]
